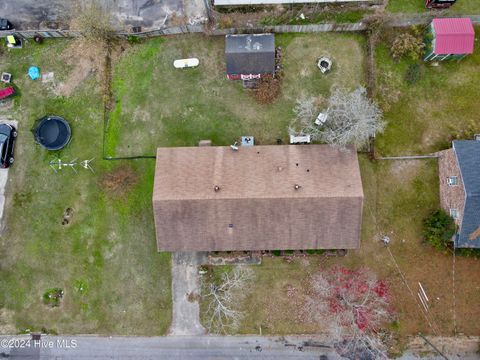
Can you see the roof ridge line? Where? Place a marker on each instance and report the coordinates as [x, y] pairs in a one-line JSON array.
[[265, 198]]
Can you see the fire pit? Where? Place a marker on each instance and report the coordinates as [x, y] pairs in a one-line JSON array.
[[324, 64]]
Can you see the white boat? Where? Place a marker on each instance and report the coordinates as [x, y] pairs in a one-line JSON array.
[[186, 63]]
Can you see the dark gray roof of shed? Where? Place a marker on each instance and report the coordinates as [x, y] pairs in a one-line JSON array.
[[250, 54], [468, 158]]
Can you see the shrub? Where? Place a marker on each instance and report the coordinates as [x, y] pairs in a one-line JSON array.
[[413, 74], [439, 228], [93, 21], [375, 24], [276, 252], [407, 45], [132, 39], [225, 22], [52, 297], [475, 253], [315, 251]]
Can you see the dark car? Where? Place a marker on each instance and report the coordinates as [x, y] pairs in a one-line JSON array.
[[5, 24], [7, 143]]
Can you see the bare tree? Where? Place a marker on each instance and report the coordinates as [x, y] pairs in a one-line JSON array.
[[223, 298], [351, 118], [93, 21], [305, 109], [355, 305]]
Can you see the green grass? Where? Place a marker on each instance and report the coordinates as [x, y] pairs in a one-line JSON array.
[[468, 7], [339, 17], [157, 105], [388, 198], [109, 248], [424, 117]]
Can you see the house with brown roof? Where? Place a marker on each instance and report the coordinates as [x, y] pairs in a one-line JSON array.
[[278, 197], [459, 172]]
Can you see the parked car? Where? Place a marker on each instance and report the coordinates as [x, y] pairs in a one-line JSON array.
[[8, 135], [5, 24]]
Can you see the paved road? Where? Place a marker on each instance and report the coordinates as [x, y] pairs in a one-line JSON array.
[[181, 348], [185, 281], [171, 348], [34, 14]]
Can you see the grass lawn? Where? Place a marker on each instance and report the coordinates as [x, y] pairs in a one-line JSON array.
[[398, 195], [157, 105], [468, 7], [339, 17], [105, 260], [423, 117]]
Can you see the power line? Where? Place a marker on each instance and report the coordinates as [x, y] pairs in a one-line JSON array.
[[435, 331]]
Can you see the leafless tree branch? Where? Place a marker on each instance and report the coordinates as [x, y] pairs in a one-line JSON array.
[[352, 118], [223, 299]]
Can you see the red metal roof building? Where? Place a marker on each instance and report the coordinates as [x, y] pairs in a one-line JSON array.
[[450, 38]]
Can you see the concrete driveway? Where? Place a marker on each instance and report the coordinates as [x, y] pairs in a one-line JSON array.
[[4, 178], [35, 14], [185, 281]]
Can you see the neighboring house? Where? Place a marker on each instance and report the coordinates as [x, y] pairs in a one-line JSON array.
[[278, 2], [459, 171], [249, 56], [449, 39], [279, 197]]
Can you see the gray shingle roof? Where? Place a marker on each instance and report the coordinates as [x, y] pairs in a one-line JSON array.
[[250, 54], [468, 158]]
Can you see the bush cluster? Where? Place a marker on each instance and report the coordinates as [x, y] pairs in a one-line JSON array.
[[439, 229], [407, 45]]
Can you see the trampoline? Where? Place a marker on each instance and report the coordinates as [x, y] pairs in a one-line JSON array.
[[52, 132]]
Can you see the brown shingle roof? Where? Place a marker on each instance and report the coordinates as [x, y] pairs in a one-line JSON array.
[[257, 206]]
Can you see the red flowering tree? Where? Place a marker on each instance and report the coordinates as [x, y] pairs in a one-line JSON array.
[[356, 305]]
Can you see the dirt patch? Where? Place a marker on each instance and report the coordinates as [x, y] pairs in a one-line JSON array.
[[119, 181], [85, 59]]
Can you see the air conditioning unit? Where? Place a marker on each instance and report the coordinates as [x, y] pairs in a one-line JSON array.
[[452, 180]]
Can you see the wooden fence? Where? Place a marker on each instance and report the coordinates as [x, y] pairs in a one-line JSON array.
[[188, 29]]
